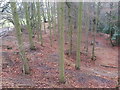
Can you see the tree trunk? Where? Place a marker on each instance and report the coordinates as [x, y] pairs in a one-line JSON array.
[[61, 42], [44, 19], [118, 38], [32, 19], [58, 16], [54, 21], [49, 21], [94, 34], [39, 23], [27, 16], [110, 23], [87, 30], [26, 69], [77, 65], [70, 28]]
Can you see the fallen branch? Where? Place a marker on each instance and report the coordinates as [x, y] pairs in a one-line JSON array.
[[109, 66]]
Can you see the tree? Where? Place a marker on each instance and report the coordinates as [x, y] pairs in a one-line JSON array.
[[27, 16], [61, 42], [44, 18], [99, 6], [49, 21], [32, 16], [94, 33], [79, 31], [87, 28], [53, 15], [26, 69], [118, 38], [110, 23], [58, 15], [39, 23], [70, 27]]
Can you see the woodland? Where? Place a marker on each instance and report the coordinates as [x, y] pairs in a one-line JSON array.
[[59, 44]]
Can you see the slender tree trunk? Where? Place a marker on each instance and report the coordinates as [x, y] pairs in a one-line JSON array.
[[26, 69], [98, 14], [39, 23], [118, 38], [58, 12], [44, 19], [44, 22], [33, 18], [49, 21], [61, 42], [54, 21], [27, 16], [110, 23], [32, 13], [94, 34], [45, 28], [118, 43], [87, 34], [70, 31], [93, 48], [77, 65], [36, 19], [87, 30]]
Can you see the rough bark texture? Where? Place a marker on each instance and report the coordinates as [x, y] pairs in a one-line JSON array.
[[77, 65], [27, 16], [61, 41], [39, 23], [19, 37], [49, 21], [94, 33]]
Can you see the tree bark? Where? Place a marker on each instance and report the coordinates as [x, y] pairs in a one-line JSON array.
[[49, 21], [26, 69], [70, 28], [39, 23], [77, 65], [27, 16], [61, 43], [94, 34]]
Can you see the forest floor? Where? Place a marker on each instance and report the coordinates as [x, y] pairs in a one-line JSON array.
[[102, 73]]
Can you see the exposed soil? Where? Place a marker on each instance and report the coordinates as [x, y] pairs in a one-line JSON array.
[[44, 64]]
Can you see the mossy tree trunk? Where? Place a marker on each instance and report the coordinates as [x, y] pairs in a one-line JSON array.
[[39, 23], [94, 33], [61, 42], [26, 69], [58, 16], [27, 16], [98, 15], [110, 23], [32, 17], [70, 27], [70, 36], [93, 47], [49, 21], [70, 32], [44, 19], [77, 65], [87, 29], [54, 19]]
